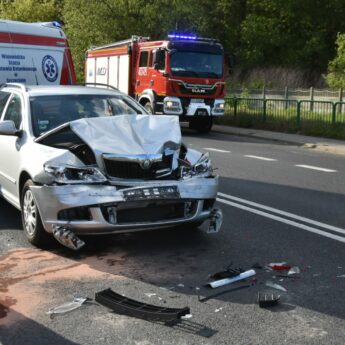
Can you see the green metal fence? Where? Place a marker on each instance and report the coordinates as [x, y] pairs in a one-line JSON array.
[[285, 114]]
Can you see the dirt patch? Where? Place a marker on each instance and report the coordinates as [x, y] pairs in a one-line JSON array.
[[26, 273], [5, 305]]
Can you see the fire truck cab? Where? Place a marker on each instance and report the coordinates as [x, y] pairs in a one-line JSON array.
[[34, 54], [182, 76]]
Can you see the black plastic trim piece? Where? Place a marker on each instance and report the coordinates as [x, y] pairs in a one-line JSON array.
[[130, 307]]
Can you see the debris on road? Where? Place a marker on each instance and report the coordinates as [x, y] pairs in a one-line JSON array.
[[341, 276], [228, 273], [294, 270], [67, 238], [67, 307], [218, 309], [126, 306], [275, 286], [204, 299], [279, 266], [231, 280], [150, 294], [267, 300]]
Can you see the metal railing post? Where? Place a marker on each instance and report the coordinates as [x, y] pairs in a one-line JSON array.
[[298, 118], [286, 96], [235, 107], [311, 108], [264, 110], [340, 100], [334, 113]]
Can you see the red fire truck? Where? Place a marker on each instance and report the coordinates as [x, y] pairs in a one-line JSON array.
[[183, 75]]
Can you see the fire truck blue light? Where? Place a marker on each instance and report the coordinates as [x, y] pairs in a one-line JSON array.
[[184, 37]]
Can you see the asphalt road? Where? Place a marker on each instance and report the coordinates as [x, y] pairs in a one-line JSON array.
[[280, 203]]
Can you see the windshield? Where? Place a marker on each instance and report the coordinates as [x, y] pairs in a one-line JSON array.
[[48, 112], [196, 64]]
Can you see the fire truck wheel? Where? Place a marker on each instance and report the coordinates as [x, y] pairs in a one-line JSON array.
[[149, 108], [202, 124]]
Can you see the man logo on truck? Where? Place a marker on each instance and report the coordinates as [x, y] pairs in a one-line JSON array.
[[50, 68]]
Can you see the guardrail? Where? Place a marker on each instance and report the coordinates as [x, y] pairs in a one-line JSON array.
[[310, 117], [310, 94]]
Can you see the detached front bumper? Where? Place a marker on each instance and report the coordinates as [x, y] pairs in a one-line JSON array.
[[100, 209]]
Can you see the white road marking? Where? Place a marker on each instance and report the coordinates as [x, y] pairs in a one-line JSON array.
[[314, 168], [262, 158], [216, 150], [283, 213], [283, 220]]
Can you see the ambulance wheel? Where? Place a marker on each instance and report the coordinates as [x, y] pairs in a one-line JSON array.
[[149, 108]]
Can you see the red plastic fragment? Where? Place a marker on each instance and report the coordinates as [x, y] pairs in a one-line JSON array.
[[281, 267]]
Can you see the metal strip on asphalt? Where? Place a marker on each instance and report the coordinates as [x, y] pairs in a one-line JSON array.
[[311, 167], [261, 158], [284, 213], [283, 220]]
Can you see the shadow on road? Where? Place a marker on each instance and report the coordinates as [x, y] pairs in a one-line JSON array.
[[27, 331], [9, 216]]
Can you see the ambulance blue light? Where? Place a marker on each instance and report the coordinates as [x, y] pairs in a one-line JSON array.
[[182, 37], [57, 25]]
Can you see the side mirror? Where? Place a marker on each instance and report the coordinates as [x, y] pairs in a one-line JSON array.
[[9, 128]]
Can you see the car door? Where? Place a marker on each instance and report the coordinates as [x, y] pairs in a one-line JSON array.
[[143, 79], [10, 147]]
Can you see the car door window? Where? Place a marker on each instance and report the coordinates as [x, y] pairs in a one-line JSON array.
[[4, 96], [14, 111]]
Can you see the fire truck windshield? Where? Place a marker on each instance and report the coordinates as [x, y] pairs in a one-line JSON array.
[[196, 64]]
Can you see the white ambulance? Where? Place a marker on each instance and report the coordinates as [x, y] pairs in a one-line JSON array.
[[34, 54]]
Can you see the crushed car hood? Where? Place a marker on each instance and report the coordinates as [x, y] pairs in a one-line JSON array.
[[129, 134], [122, 134]]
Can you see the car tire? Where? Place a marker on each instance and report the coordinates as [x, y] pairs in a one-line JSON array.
[[31, 219], [149, 108]]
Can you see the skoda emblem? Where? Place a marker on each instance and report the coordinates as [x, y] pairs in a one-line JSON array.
[[146, 164]]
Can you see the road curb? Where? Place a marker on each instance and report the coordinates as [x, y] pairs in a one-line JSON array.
[[314, 143]]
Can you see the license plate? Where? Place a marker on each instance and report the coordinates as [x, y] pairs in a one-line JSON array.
[[167, 192], [196, 100], [201, 112]]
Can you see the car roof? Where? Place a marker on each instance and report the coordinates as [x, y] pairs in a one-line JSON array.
[[47, 90]]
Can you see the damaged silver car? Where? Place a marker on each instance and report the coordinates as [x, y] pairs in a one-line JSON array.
[[73, 168]]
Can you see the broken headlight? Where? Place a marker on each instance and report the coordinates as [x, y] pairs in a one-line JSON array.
[[203, 167], [74, 175]]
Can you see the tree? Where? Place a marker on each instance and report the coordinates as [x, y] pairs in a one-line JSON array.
[[91, 23], [291, 32], [336, 68], [30, 10]]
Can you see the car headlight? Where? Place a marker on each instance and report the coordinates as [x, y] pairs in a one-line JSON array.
[[203, 165], [74, 175], [202, 168]]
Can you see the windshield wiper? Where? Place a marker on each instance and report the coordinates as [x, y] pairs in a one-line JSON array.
[[186, 73]]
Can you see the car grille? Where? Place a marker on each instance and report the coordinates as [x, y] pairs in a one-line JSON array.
[[133, 170], [197, 90], [152, 211]]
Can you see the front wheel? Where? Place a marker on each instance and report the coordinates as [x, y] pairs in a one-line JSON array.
[[31, 219], [202, 124], [149, 108]]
